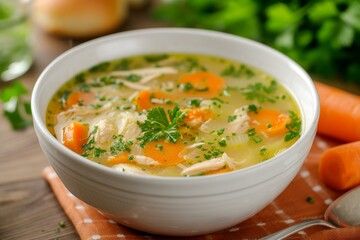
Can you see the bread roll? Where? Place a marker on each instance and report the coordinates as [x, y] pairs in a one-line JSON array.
[[80, 18]]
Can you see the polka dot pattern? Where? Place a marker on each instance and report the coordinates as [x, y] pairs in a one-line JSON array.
[[286, 210]]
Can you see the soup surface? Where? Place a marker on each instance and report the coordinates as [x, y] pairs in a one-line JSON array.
[[174, 115]]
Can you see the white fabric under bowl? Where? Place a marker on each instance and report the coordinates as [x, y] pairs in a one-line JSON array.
[[166, 205]]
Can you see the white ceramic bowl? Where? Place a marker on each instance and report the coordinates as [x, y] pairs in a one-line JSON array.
[[166, 205]]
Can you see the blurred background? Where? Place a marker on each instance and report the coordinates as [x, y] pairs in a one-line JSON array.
[[323, 36]]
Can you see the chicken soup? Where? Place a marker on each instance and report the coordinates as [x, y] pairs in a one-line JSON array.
[[174, 115]]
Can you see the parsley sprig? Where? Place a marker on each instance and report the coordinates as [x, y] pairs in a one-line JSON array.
[[159, 125], [260, 92]]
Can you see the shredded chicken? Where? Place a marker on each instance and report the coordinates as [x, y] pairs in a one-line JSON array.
[[143, 160], [205, 166], [135, 86], [122, 167], [206, 104], [190, 152], [145, 71], [229, 161], [105, 130], [240, 124], [209, 165], [207, 126], [127, 125], [149, 78]]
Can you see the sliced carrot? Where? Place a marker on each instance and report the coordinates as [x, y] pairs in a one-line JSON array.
[[144, 99], [75, 136], [203, 84], [166, 153], [339, 113], [270, 121], [80, 98], [339, 166], [195, 117]]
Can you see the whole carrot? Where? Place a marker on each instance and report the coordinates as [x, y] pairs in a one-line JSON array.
[[339, 113], [339, 167]]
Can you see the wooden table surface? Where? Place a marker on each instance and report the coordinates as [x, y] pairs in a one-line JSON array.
[[28, 208]]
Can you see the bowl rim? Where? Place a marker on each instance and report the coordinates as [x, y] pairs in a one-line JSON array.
[[40, 125]]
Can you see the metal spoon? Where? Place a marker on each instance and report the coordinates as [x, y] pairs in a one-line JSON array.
[[343, 212]]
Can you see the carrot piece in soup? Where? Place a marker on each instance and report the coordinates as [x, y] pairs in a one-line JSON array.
[[144, 99], [80, 98], [201, 84], [339, 166], [75, 136], [166, 153], [270, 121], [339, 113]]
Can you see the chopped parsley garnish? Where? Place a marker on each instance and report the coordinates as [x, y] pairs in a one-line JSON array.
[[133, 78], [257, 139], [159, 147], [108, 80], [260, 92], [84, 88], [263, 151], [252, 133], [194, 102], [159, 125], [310, 200], [102, 67], [91, 150], [80, 78], [94, 130], [294, 127], [232, 71], [123, 64], [120, 145], [156, 58], [220, 131], [190, 64], [96, 106], [232, 118], [188, 86], [222, 143], [215, 99], [253, 108]]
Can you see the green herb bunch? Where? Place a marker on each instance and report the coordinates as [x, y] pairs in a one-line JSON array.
[[321, 35], [16, 107]]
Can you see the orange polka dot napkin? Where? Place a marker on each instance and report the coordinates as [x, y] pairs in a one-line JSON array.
[[305, 198]]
